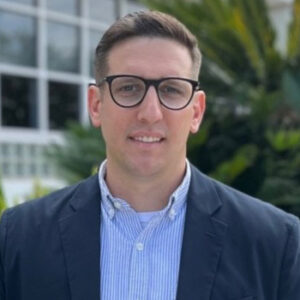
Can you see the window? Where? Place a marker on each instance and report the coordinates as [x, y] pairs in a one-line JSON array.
[[63, 104], [63, 47], [17, 39], [66, 6], [18, 161], [95, 37], [103, 11], [29, 2], [19, 105], [6, 169]]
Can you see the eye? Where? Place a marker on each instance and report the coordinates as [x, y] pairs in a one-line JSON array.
[[171, 90], [127, 86]]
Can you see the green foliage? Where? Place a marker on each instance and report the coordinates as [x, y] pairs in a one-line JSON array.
[[2, 200], [250, 137], [230, 169], [38, 190], [284, 140], [294, 34], [82, 152]]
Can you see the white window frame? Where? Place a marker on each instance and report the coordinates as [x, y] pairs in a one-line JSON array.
[[42, 134]]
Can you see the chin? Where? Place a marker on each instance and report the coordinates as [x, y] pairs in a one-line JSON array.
[[146, 167]]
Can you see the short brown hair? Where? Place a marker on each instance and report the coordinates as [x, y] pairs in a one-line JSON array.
[[145, 24]]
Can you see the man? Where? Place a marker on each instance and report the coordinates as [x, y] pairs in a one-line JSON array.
[[149, 225]]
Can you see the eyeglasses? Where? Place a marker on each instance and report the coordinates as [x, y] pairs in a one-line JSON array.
[[173, 92]]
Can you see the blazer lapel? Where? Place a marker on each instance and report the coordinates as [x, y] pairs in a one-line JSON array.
[[80, 234], [202, 240]]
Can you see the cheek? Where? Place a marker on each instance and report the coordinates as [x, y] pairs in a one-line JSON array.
[[181, 130], [107, 125], [108, 129], [114, 126]]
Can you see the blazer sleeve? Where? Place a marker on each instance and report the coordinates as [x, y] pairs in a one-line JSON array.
[[289, 285], [2, 248]]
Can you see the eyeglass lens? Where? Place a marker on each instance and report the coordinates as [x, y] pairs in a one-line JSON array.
[[173, 93]]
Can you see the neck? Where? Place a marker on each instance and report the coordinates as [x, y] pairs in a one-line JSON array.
[[144, 193]]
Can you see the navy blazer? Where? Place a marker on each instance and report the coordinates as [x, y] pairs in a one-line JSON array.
[[234, 247]]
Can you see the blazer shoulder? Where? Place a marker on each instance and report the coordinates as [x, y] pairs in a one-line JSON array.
[[236, 206]]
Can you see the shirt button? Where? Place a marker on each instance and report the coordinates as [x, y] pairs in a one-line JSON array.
[[139, 246], [117, 205], [172, 214], [111, 213]]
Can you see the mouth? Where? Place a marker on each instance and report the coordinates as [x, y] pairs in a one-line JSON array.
[[147, 139]]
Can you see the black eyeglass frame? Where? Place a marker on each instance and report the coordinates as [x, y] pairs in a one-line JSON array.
[[148, 83]]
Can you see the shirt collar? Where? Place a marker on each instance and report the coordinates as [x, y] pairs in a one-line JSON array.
[[112, 204]]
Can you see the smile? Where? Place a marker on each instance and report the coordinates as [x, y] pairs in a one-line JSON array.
[[147, 139]]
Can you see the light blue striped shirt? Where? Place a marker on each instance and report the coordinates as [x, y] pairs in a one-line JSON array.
[[140, 252]]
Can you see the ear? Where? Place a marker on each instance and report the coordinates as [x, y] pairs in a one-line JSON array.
[[94, 105], [199, 109]]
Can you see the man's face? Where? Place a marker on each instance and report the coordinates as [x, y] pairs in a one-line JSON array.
[[148, 139]]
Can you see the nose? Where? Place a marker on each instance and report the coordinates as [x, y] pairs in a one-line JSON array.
[[150, 109]]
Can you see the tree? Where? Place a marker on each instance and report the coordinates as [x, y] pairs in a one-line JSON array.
[[81, 153]]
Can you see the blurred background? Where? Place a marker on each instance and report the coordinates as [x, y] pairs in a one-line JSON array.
[[250, 137]]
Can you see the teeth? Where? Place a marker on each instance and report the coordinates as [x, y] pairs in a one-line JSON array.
[[147, 139]]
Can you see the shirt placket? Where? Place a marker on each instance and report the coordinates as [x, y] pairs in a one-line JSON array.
[[139, 265]]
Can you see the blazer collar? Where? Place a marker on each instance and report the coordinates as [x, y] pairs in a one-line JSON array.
[[80, 235], [203, 240]]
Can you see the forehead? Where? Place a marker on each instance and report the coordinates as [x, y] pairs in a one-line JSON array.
[[150, 57]]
